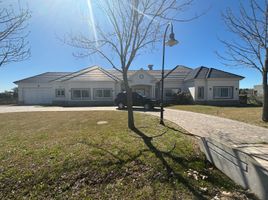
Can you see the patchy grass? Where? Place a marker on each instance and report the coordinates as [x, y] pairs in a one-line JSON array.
[[67, 155], [251, 115]]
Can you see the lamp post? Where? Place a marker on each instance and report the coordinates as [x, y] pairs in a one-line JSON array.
[[171, 42]]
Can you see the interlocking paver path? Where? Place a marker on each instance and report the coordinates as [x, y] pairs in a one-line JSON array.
[[248, 138]]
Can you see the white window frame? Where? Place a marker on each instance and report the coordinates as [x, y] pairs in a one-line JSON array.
[[81, 98], [201, 88], [102, 97], [230, 92], [62, 93]]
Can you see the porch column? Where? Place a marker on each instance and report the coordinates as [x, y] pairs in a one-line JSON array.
[[153, 91]]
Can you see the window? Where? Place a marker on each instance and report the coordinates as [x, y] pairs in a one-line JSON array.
[[201, 93], [60, 92], [171, 92], [103, 93], [223, 92], [80, 94]]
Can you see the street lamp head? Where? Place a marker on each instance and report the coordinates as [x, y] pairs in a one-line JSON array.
[[172, 41]]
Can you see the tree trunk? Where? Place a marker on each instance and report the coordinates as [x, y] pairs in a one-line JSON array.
[[131, 124], [265, 90]]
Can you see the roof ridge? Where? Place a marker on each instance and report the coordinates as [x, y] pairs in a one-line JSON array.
[[199, 70], [75, 72], [79, 72], [30, 77], [208, 73], [108, 73], [184, 66]]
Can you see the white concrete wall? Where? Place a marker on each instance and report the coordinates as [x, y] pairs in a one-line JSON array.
[[223, 82], [201, 83], [69, 85], [190, 87], [23, 86], [141, 78], [259, 89], [174, 84]]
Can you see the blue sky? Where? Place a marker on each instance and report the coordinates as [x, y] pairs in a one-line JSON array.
[[198, 42]]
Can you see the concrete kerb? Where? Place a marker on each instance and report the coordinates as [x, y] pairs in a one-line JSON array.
[[241, 167]]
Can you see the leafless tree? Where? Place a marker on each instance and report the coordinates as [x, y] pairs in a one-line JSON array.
[[13, 47], [250, 46], [134, 26]]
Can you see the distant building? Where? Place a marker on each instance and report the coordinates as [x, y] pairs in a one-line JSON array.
[[247, 91], [258, 90]]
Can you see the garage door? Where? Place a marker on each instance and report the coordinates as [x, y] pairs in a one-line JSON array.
[[37, 95]]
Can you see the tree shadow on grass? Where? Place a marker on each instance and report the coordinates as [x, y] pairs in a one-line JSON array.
[[170, 171], [172, 175]]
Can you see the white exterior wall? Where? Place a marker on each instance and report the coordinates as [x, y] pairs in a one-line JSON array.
[[201, 83], [259, 90], [174, 84], [69, 85], [143, 80], [137, 80], [190, 87], [223, 82], [31, 88]]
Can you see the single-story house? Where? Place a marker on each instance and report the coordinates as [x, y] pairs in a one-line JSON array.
[[99, 86]]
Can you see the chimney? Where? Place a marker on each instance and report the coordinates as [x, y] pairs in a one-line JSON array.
[[150, 67]]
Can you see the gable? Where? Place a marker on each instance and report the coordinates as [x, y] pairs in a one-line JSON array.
[[92, 75], [141, 77], [178, 73], [43, 78]]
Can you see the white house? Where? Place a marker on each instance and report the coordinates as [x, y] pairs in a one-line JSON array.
[[98, 86], [258, 90]]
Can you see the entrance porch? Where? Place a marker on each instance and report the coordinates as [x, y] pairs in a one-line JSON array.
[[144, 90]]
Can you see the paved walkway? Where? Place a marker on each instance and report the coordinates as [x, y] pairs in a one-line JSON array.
[[12, 109], [250, 139]]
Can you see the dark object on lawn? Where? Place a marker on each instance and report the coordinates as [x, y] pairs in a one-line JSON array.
[[138, 100]]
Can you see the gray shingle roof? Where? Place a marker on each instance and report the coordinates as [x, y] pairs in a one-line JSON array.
[[178, 72], [205, 73], [43, 78], [215, 73], [96, 73]]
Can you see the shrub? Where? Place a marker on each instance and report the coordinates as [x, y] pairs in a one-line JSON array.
[[243, 99], [255, 100], [183, 98]]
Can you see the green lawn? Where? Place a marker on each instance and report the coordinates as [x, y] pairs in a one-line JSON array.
[[67, 155], [251, 115]]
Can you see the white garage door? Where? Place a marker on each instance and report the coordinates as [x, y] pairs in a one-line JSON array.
[[37, 95]]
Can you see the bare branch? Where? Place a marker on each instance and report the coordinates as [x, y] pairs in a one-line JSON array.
[[250, 36], [13, 47], [134, 26]]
